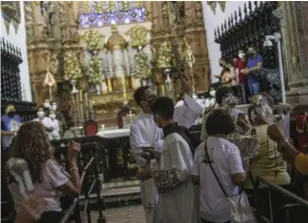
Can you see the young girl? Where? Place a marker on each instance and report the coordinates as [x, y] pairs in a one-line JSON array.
[[32, 145]]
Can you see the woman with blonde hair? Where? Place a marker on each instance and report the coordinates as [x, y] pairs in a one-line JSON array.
[[32, 144]]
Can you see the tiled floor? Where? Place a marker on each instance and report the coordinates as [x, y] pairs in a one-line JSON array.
[[126, 214]]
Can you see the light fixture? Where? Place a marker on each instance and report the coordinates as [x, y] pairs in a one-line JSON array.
[[268, 43]]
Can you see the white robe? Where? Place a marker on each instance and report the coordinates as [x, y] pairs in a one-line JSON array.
[[55, 134], [145, 133], [176, 197]]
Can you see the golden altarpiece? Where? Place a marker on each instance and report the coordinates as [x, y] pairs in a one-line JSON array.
[[100, 52]]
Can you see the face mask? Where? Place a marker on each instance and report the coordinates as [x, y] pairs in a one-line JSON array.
[[11, 114], [53, 116], [46, 105], [40, 114], [241, 55], [54, 107]]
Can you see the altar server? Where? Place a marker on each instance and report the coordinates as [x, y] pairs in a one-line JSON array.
[[172, 178], [144, 133]]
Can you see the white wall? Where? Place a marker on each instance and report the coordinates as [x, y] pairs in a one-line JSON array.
[[19, 40], [211, 22]]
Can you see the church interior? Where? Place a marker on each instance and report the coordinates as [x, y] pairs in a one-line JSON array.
[[85, 59]]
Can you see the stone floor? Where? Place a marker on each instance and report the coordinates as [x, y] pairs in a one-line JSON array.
[[126, 214]]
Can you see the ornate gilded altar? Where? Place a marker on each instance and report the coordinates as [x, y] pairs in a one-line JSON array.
[[108, 60]]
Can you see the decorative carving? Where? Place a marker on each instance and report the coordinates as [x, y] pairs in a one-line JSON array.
[[138, 36], [50, 12], [222, 5], [11, 14], [212, 5]]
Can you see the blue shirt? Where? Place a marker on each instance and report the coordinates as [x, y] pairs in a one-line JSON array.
[[9, 124], [252, 62]]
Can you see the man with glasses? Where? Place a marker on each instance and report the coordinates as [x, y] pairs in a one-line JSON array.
[[144, 134]]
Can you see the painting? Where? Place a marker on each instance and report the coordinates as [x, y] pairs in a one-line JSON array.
[[11, 14]]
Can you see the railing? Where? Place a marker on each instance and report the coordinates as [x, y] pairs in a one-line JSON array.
[[88, 161], [74, 207], [294, 201]]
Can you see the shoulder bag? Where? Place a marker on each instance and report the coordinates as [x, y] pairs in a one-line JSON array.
[[241, 211]]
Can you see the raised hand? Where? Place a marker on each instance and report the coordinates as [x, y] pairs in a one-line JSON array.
[[73, 150]]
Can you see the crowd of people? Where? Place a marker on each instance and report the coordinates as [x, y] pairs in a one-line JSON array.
[[182, 179], [235, 148]]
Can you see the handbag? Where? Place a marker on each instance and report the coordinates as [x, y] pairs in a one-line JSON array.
[[241, 211]]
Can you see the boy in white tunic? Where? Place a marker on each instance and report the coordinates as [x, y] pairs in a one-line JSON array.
[[145, 134], [172, 178]]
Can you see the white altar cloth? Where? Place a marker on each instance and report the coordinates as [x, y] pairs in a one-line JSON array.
[[114, 133]]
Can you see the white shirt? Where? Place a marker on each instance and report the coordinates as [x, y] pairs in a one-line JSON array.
[[52, 178], [144, 133], [214, 206], [186, 111]]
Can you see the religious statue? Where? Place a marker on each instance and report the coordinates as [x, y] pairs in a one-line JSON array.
[[179, 11], [51, 16]]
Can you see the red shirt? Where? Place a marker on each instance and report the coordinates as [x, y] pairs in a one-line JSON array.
[[241, 64]]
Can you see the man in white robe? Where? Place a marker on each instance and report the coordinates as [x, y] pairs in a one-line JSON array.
[[145, 134], [172, 177]]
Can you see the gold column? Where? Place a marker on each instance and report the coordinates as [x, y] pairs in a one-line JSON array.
[[287, 14]]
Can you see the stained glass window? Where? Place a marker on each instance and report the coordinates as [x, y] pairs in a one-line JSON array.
[[102, 13]]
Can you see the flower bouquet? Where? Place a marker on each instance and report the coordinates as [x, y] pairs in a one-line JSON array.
[[95, 70]]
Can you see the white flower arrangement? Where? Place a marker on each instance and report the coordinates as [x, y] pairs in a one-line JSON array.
[[95, 70], [72, 68]]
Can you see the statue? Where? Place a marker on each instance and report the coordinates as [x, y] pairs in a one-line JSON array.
[[179, 11], [51, 16]]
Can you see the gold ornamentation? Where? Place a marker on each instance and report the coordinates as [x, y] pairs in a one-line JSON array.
[[164, 55], [212, 5], [116, 41], [142, 68], [93, 40], [95, 70], [72, 69], [222, 5], [138, 35]]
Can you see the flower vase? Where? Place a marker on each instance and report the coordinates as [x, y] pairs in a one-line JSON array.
[[74, 90], [98, 89]]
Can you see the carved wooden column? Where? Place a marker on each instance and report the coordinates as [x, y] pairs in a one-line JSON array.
[[195, 34], [289, 17], [38, 50]]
